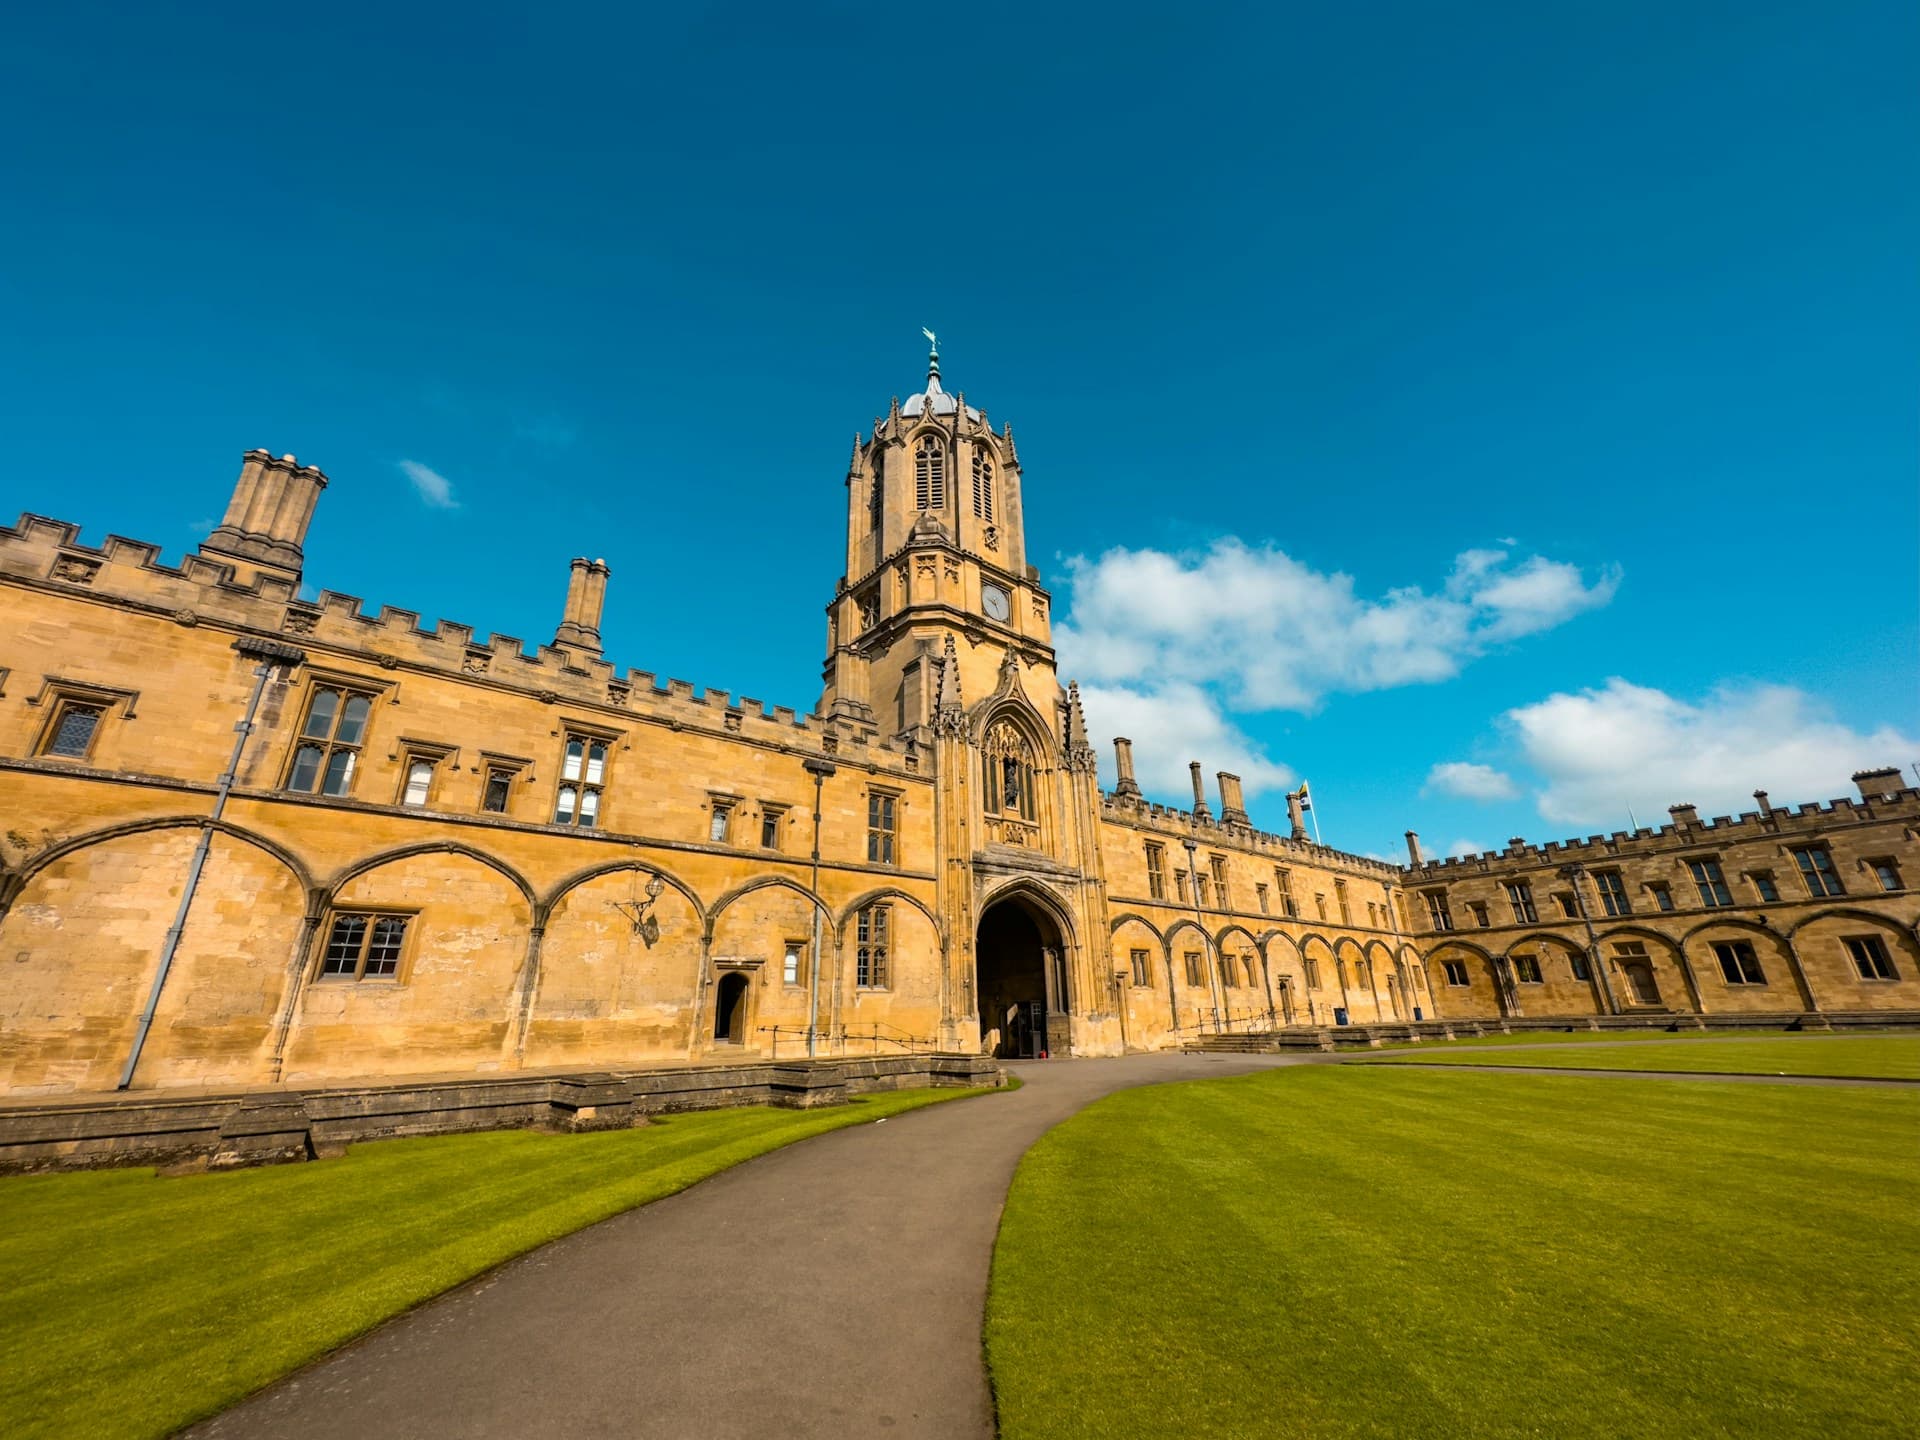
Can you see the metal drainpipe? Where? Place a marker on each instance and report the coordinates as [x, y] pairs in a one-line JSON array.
[[1206, 947], [1574, 874], [269, 655], [820, 770]]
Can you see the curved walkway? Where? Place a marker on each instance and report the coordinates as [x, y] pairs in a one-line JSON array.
[[833, 1289]]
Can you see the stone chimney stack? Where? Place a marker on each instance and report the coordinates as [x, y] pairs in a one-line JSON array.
[[1296, 815], [586, 598], [1760, 799], [1684, 814], [1123, 766], [1200, 810], [1233, 805], [267, 518], [1878, 784], [1414, 857]]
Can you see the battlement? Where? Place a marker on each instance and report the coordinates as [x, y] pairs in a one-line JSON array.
[[50, 554], [1178, 825], [1776, 824]]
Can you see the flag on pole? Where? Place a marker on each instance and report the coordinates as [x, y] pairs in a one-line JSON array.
[[1306, 800]]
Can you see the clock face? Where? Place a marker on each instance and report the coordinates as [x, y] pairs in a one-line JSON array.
[[995, 602]]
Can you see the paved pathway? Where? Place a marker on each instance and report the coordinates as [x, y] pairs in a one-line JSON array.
[[833, 1288]]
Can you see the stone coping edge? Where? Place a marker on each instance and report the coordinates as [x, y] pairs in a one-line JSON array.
[[271, 1127]]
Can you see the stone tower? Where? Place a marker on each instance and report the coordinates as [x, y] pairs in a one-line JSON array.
[[940, 631]]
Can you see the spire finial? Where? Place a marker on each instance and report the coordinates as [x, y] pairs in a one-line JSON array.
[[933, 359]]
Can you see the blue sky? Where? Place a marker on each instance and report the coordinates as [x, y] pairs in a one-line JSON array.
[[1523, 390]]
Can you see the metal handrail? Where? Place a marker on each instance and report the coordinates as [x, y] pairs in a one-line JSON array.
[[871, 1033]]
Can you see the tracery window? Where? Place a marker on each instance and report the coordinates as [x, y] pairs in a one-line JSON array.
[[982, 485], [930, 474], [1007, 760]]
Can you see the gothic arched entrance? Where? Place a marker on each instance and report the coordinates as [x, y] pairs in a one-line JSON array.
[[1019, 957]]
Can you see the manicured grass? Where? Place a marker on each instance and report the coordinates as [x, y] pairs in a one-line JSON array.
[[1578, 1037], [1336, 1251], [132, 1305], [1894, 1057]]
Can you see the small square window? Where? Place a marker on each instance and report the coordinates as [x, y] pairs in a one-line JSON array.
[[499, 789], [1886, 872], [771, 817], [364, 946], [1870, 958], [1763, 886], [1456, 971], [1564, 899], [1662, 895], [1613, 892], [1526, 969], [1738, 964], [793, 963], [1481, 916], [1196, 976], [1711, 883], [719, 823], [1142, 973], [1816, 869]]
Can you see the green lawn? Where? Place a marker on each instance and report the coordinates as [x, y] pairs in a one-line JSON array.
[[1581, 1037], [1336, 1251], [131, 1305], [1894, 1057]]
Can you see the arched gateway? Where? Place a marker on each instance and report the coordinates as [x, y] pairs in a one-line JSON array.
[[1019, 955]]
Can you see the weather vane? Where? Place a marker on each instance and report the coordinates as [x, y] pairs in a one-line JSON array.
[[932, 339]]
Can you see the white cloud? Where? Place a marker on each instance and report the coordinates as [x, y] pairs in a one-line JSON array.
[[1169, 726], [1467, 847], [1274, 634], [1600, 751], [433, 487], [1466, 781]]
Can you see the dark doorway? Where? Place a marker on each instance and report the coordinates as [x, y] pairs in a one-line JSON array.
[[730, 1009], [1019, 1002]]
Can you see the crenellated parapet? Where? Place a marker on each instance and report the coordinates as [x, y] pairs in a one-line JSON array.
[[49, 555], [1775, 824]]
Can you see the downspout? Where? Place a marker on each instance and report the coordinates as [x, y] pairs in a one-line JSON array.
[[1207, 955], [820, 770], [270, 654], [1573, 874]]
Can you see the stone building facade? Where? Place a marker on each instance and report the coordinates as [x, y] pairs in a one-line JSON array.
[[1804, 910], [250, 838]]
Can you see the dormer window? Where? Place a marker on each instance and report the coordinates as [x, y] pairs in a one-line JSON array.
[[930, 474], [982, 485]]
